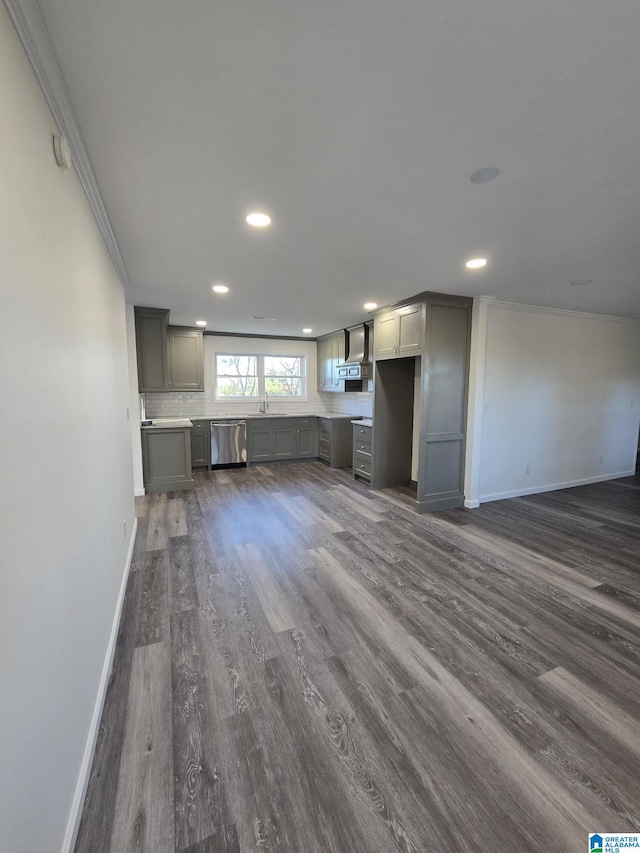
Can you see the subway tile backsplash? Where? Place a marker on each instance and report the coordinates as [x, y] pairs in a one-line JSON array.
[[199, 404]]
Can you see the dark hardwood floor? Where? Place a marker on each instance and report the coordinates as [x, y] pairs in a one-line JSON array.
[[306, 666]]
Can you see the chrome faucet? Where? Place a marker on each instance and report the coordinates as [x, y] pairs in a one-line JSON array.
[[264, 406]]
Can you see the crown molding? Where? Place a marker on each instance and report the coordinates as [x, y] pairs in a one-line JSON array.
[[29, 23], [565, 312]]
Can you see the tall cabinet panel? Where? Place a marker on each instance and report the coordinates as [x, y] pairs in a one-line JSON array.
[[442, 438]]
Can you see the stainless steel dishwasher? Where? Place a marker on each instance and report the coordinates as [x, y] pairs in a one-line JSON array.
[[228, 442]]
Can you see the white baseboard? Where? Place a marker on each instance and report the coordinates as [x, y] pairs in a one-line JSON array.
[[73, 824], [139, 493], [536, 490], [472, 504]]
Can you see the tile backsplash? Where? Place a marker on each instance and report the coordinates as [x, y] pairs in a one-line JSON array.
[[203, 403]]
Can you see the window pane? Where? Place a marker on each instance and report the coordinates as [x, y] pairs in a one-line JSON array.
[[282, 365], [239, 386], [236, 365], [283, 386]]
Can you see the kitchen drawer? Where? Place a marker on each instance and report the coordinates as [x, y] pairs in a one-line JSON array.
[[361, 446], [324, 424], [306, 422], [324, 451], [363, 432], [362, 466], [201, 426], [325, 435]]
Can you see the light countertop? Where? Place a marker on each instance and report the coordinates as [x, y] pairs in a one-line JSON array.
[[187, 419], [363, 422]]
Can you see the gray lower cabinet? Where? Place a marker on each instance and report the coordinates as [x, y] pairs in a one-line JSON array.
[[200, 444], [269, 439], [362, 452], [335, 441], [306, 438], [166, 459]]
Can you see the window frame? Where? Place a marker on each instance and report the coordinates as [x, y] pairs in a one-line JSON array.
[[260, 357]]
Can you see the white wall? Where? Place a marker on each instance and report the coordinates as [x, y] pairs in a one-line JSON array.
[[561, 390], [65, 463]]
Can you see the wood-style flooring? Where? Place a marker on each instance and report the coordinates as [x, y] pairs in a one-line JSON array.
[[306, 666]]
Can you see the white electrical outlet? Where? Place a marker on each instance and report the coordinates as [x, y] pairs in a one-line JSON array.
[[527, 469], [128, 414], [124, 527], [601, 458], [485, 409]]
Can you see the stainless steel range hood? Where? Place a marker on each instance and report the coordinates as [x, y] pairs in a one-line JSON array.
[[356, 365]]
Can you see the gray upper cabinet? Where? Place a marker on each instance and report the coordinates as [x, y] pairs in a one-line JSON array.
[[324, 363], [185, 349], [170, 358], [399, 332], [151, 348], [331, 352]]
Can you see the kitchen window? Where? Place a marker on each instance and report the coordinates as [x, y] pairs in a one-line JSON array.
[[249, 376]]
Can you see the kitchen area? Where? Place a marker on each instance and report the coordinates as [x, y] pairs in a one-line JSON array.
[[391, 389]]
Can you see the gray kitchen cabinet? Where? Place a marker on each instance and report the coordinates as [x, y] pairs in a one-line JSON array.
[[362, 452], [259, 443], [324, 363], [170, 358], [306, 438], [185, 356], [400, 332], [284, 442], [331, 352], [166, 459], [151, 348], [270, 439], [422, 348], [200, 444], [335, 441], [444, 409]]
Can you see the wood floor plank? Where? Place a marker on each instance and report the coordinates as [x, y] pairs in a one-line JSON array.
[[199, 796], [144, 806], [157, 533], [588, 702], [274, 603], [183, 594]]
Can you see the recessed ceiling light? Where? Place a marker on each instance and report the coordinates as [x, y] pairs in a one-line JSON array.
[[201, 322], [370, 306], [483, 176], [582, 281], [220, 288], [476, 263], [258, 220], [266, 319], [307, 331]]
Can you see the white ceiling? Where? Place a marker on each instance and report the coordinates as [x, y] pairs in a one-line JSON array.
[[357, 125]]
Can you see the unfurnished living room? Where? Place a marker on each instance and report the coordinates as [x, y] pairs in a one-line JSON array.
[[320, 503]]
